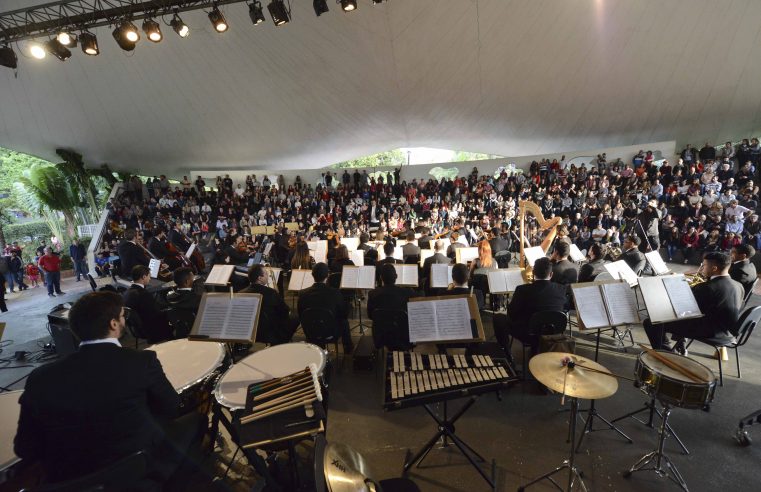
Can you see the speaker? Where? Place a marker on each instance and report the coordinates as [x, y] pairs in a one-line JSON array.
[[64, 340]]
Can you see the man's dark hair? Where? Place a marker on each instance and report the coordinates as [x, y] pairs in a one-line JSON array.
[[129, 234], [388, 274], [410, 236], [634, 239], [721, 260], [746, 249], [596, 250], [542, 268], [388, 249], [364, 237], [562, 248], [255, 272], [460, 274], [320, 272], [90, 317], [181, 276], [140, 271]]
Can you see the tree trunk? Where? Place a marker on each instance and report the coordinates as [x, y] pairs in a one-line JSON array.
[[2, 236]]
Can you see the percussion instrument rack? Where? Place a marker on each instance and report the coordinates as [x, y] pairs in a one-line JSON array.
[[415, 379]]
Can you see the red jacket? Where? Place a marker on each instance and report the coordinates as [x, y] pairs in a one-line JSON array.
[[50, 263]]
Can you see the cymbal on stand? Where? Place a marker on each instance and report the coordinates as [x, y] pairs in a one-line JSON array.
[[551, 369]]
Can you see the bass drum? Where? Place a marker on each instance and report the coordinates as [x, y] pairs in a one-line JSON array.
[[672, 387]]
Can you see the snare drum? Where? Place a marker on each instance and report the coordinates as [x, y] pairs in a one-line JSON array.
[[190, 366], [9, 413], [272, 362], [672, 387]]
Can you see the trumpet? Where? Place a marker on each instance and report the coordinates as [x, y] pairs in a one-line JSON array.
[[695, 278]]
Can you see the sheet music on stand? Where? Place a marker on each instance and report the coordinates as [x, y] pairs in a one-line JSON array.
[[425, 253], [319, 250], [441, 275], [656, 263], [358, 277], [534, 253], [668, 298], [406, 275], [273, 275], [220, 275], [319, 255], [357, 257], [504, 280], [620, 270], [444, 319], [605, 304], [351, 243], [464, 255], [226, 317], [190, 251], [154, 266], [576, 254], [300, 280]]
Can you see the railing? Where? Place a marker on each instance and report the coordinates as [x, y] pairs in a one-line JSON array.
[[100, 228], [87, 230]]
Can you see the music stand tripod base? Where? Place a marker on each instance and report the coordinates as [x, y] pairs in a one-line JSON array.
[[657, 458]]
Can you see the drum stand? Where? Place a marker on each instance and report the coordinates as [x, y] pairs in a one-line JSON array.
[[592, 412], [651, 407], [573, 472], [659, 457], [359, 325]]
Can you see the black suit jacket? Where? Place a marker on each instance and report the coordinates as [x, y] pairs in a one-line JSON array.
[[275, 311], [409, 249], [720, 300], [379, 266], [93, 407], [458, 291], [565, 272], [130, 255], [437, 258], [590, 270], [178, 239], [389, 297], [322, 296], [634, 258], [153, 321], [185, 300], [541, 295], [744, 272]]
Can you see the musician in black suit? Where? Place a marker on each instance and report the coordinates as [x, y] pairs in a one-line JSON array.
[[130, 254], [280, 323], [742, 270], [157, 245], [540, 295], [595, 265], [178, 238], [320, 295], [719, 299], [460, 276], [424, 242], [363, 246], [454, 245], [153, 321], [632, 255], [437, 258], [388, 251], [184, 297], [410, 248], [103, 403], [564, 271], [388, 296], [498, 242]]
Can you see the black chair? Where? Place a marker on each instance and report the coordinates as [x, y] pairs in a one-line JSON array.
[[541, 324], [411, 260], [320, 327], [334, 280], [503, 259], [742, 332], [391, 329], [93, 284], [127, 474], [181, 321], [134, 325]]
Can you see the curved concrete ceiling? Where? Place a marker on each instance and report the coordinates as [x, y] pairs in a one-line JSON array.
[[507, 77]]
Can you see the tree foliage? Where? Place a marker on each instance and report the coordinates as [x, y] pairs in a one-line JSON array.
[[382, 159]]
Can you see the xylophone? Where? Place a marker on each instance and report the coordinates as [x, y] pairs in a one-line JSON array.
[[417, 379]]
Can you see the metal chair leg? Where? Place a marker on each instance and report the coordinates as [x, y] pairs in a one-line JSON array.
[[737, 358], [721, 374]]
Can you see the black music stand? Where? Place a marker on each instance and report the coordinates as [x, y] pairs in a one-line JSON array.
[[446, 430]]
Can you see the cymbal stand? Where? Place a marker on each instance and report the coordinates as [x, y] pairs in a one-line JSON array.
[[592, 412], [659, 458], [574, 473], [359, 325], [651, 407]]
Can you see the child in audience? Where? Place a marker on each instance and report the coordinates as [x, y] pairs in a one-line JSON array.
[[33, 273]]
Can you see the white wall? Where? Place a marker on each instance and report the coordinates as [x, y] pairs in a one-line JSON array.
[[665, 150]]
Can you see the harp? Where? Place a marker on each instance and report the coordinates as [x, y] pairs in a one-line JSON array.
[[525, 207]]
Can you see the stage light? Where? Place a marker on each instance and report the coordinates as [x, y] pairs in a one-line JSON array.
[[37, 51], [89, 43], [8, 57], [218, 20], [320, 7], [280, 15], [65, 38], [126, 35], [55, 48], [348, 5], [179, 27], [152, 30], [255, 12]]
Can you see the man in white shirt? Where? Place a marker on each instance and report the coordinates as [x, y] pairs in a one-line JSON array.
[[735, 210]]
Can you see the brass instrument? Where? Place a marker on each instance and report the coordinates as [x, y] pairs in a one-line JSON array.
[[611, 252], [544, 224], [695, 278]]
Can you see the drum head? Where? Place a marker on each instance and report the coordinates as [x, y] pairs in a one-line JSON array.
[[188, 362], [272, 362], [660, 368]]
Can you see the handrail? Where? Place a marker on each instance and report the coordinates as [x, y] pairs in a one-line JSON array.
[[100, 229]]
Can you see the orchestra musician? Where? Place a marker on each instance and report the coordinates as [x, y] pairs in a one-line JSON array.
[[540, 295], [424, 242], [595, 265], [154, 323], [178, 238], [184, 297], [388, 251], [564, 271], [388, 295], [102, 403], [320, 295], [363, 240], [719, 299], [281, 323], [410, 248], [742, 270], [455, 244], [648, 220], [460, 274], [301, 258], [130, 254], [157, 245], [632, 255]]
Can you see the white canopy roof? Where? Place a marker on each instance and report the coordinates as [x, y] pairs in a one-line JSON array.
[[507, 77]]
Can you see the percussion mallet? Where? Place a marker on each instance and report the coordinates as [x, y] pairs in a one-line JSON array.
[[673, 365]]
